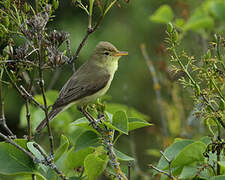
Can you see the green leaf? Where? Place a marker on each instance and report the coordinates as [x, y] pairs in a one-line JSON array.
[[87, 139], [94, 165], [206, 140], [222, 177], [83, 122], [123, 157], [75, 159], [120, 121], [190, 154], [217, 8], [37, 154], [222, 167], [109, 7], [13, 161], [172, 151], [75, 178], [76, 133], [163, 14], [131, 112], [64, 144], [188, 172], [135, 123], [199, 20], [51, 96]]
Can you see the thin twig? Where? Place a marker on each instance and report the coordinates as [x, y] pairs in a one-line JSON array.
[[17, 146], [41, 84], [2, 111], [88, 32], [156, 88], [29, 96], [28, 120], [108, 141], [129, 167], [46, 162], [161, 171], [169, 162], [50, 163]]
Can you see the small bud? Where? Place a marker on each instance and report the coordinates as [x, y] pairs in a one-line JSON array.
[[26, 7], [208, 54], [7, 22], [169, 27], [175, 35], [215, 36], [222, 106], [55, 4], [198, 89]]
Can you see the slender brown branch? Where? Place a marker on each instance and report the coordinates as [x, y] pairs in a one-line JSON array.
[[47, 161], [162, 172], [17, 146], [169, 162], [41, 84], [88, 32], [50, 163], [28, 120], [29, 96], [108, 141], [2, 112], [156, 88]]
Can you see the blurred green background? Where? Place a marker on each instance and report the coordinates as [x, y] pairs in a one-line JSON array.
[[127, 26]]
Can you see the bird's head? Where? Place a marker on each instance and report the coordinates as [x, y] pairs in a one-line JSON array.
[[105, 54]]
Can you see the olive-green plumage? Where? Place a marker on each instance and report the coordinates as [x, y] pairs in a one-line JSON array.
[[89, 82]]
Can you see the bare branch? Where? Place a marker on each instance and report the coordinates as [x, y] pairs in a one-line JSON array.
[[49, 162]]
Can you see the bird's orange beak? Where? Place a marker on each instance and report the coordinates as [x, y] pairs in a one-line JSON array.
[[121, 53]]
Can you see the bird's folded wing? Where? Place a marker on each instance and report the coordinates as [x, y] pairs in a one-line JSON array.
[[77, 88]]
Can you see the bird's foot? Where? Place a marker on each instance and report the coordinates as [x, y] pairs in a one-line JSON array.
[[100, 118]]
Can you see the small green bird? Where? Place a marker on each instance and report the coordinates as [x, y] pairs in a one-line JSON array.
[[89, 82]]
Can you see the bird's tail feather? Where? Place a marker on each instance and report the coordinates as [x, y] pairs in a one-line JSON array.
[[51, 115]]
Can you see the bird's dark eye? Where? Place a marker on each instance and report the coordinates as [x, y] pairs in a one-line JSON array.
[[106, 53]]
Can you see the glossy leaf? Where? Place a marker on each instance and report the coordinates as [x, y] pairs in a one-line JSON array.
[[37, 154], [83, 122], [123, 157], [135, 123], [199, 20], [190, 154], [13, 161], [188, 172], [87, 139], [120, 121], [64, 144], [76, 158], [172, 151], [221, 177], [95, 163], [162, 15], [112, 108]]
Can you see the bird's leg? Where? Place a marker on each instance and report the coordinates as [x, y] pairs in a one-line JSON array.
[[100, 108], [92, 121], [101, 116]]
